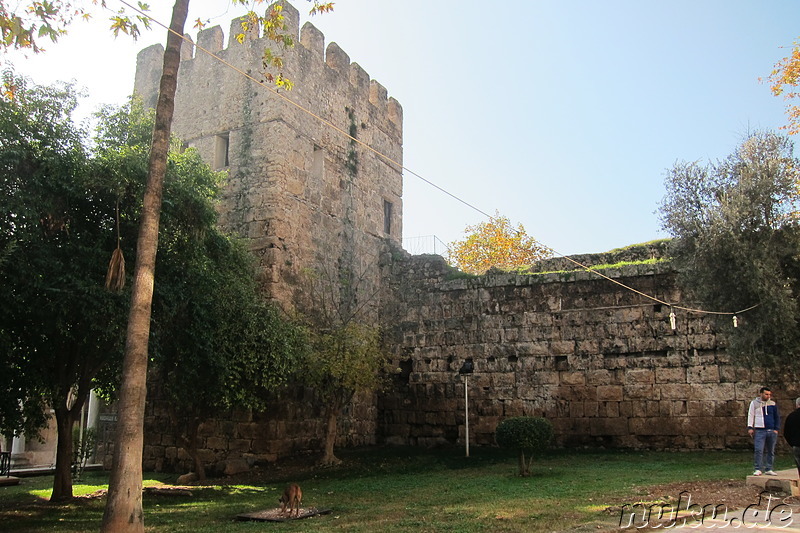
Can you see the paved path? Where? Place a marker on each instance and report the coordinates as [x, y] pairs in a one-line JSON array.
[[769, 513]]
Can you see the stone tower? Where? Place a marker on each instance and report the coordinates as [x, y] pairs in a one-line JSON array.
[[304, 195]]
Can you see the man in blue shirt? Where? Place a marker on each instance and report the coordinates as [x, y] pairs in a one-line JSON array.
[[763, 423]]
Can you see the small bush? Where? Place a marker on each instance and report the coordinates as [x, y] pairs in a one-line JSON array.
[[526, 434]]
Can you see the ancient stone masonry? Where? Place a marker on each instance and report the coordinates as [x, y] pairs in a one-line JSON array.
[[601, 362], [302, 193], [240, 439]]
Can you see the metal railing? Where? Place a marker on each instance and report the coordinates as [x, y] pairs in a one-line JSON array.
[[426, 244]]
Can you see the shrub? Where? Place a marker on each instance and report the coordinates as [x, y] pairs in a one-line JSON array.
[[526, 434]]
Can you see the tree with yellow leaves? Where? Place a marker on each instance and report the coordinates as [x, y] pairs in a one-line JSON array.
[[783, 81], [495, 243]]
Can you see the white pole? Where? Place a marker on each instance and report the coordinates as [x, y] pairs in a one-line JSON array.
[[466, 410]]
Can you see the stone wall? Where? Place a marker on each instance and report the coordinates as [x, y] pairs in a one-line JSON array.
[[240, 439], [599, 361]]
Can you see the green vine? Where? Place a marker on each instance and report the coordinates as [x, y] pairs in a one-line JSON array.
[[352, 155]]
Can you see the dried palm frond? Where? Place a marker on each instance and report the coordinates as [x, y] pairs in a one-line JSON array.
[[115, 277]]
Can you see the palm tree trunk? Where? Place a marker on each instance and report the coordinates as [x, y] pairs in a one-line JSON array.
[[123, 512]]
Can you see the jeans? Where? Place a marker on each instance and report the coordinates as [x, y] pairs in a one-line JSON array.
[[764, 441]]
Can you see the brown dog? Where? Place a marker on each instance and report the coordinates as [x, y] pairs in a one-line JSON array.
[[292, 496]]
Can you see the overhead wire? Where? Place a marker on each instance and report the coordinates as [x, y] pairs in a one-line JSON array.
[[401, 167]]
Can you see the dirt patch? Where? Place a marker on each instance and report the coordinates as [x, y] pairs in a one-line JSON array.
[[731, 495], [275, 515]]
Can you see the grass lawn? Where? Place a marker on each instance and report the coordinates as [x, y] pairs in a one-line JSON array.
[[385, 490]]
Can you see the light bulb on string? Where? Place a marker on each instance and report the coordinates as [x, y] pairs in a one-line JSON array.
[[672, 318], [735, 321]]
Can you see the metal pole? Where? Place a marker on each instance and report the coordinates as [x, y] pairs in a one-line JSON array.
[[466, 410]]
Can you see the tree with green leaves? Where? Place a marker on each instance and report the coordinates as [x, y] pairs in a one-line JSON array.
[[737, 244], [495, 243], [124, 506], [528, 435], [60, 328], [346, 356], [215, 343], [217, 346], [63, 209]]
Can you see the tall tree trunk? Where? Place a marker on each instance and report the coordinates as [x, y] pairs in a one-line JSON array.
[[523, 468], [123, 512], [189, 442], [62, 481], [328, 458]]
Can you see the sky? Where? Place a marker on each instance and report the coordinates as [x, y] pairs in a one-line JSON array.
[[562, 115]]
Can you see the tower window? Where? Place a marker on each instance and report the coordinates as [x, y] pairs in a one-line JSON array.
[[221, 151], [318, 163], [387, 217]]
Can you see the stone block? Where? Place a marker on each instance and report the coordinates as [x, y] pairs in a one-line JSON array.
[[600, 377], [608, 409], [217, 443], [547, 378], [676, 391], [246, 430], [679, 408], [590, 347], [235, 466], [572, 378], [703, 374], [665, 408], [562, 347], [239, 445], [698, 408], [670, 375], [720, 391], [639, 375], [727, 374], [614, 363], [703, 425], [609, 393], [591, 409], [507, 379], [656, 426], [640, 392], [578, 393], [608, 426]]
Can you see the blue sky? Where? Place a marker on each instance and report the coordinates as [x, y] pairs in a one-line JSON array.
[[561, 114]]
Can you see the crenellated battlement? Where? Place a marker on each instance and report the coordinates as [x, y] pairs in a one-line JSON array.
[[315, 56]]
